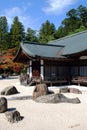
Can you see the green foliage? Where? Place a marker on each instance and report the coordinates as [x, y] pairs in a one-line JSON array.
[[31, 35], [82, 28], [75, 21], [3, 32], [71, 23], [47, 32], [16, 32], [60, 32], [82, 13]]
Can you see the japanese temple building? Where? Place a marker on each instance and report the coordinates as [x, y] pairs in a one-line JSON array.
[[60, 59]]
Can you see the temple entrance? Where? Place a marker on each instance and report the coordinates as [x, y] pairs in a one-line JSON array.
[[36, 68]]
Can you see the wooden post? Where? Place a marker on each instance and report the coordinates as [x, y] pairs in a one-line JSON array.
[[30, 69], [42, 69]]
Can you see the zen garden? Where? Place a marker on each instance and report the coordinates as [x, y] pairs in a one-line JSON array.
[[43, 75]]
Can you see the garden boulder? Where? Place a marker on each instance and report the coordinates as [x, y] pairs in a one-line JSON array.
[[9, 90], [41, 89], [3, 104], [13, 116], [56, 98]]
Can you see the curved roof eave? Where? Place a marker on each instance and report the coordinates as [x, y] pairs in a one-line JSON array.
[[19, 49], [75, 53], [56, 58], [37, 51], [27, 53]]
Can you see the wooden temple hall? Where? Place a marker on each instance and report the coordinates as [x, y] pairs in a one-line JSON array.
[[60, 61]]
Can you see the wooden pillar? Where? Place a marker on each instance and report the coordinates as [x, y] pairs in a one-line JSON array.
[[42, 69], [30, 69]]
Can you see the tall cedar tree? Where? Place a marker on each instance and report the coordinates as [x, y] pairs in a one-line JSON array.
[[16, 32], [75, 21], [70, 23], [3, 32], [47, 32], [82, 12], [31, 35]]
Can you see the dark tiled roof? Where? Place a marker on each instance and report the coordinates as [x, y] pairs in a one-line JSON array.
[[60, 48], [42, 50], [75, 43]]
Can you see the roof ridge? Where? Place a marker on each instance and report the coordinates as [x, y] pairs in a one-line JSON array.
[[42, 44]]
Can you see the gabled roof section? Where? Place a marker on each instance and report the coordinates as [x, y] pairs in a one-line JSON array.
[[57, 49], [42, 50], [74, 44]]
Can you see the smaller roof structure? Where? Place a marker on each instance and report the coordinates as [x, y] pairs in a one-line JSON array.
[[37, 50], [42, 50]]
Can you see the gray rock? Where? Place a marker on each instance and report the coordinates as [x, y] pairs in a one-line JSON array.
[[3, 104], [9, 90], [40, 89], [70, 90], [75, 90], [13, 116], [64, 90], [56, 98]]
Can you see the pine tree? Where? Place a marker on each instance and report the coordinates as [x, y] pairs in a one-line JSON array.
[[3, 32], [31, 35], [16, 32], [47, 32], [75, 21], [82, 13]]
